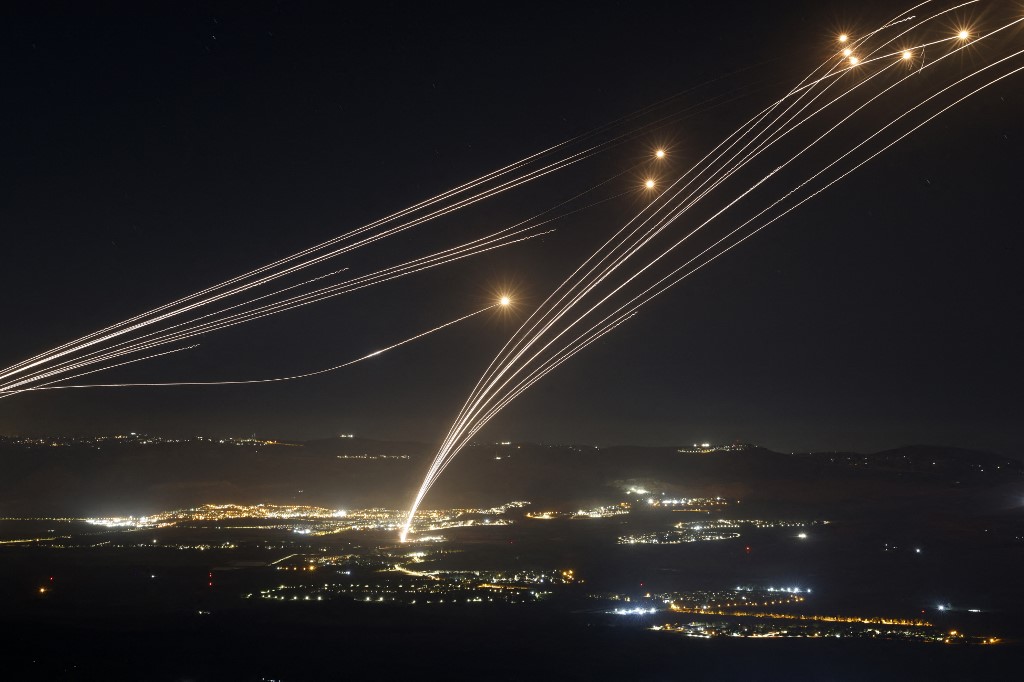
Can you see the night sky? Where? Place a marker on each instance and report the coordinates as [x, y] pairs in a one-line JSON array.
[[149, 155]]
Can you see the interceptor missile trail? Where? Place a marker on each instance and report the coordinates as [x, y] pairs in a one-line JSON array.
[[505, 301], [318, 259], [73, 358], [335, 290], [449, 201], [551, 336], [94, 347], [220, 320]]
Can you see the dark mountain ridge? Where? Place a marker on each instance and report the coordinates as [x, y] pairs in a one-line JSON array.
[[143, 474]]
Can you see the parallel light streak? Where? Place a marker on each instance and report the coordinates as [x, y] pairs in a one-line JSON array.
[[516, 367], [261, 381]]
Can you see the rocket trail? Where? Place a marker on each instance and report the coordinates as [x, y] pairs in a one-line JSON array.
[[550, 337], [448, 202], [260, 381], [747, 126], [388, 274], [183, 330], [74, 358]]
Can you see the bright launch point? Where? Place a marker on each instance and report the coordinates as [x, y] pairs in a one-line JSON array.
[[907, 54], [854, 60], [505, 300], [963, 35]]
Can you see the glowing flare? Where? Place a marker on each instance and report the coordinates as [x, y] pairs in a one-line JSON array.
[[963, 35], [843, 38], [505, 300], [847, 52], [907, 54], [854, 60], [660, 153], [649, 184]]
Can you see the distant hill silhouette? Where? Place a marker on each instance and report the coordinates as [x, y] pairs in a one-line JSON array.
[[121, 477]]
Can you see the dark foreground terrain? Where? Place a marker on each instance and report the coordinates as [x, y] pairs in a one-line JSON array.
[[353, 641]]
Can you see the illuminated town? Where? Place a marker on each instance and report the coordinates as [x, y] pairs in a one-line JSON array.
[[659, 561], [302, 563], [374, 569]]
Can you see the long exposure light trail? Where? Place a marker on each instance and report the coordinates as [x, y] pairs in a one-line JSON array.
[[263, 280], [607, 324], [517, 366], [388, 274], [313, 249], [305, 375], [747, 126], [505, 237], [615, 264], [152, 317], [476, 428], [221, 291]]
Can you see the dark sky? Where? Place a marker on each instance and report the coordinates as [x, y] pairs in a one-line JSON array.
[[148, 155]]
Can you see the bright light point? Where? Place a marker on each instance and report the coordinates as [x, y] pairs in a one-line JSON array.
[[907, 54], [660, 153], [843, 38], [802, 536], [649, 184], [847, 52], [963, 35], [854, 60], [505, 300]]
